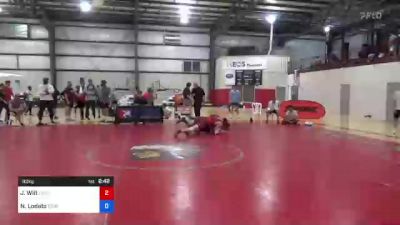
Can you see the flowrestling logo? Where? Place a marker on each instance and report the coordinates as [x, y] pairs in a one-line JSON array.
[[306, 109]]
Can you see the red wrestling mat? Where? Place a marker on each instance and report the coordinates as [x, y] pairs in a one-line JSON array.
[[254, 175]]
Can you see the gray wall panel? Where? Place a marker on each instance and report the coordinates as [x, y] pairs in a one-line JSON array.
[[8, 61], [24, 46], [84, 48], [94, 34], [95, 63], [34, 62]]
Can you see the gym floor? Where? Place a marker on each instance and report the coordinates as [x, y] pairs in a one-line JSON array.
[[255, 174]]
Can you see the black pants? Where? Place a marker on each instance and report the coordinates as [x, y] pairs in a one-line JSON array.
[[46, 105], [197, 108], [30, 106], [91, 105], [81, 107], [4, 105]]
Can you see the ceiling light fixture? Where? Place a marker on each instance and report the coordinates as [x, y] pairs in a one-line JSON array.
[[272, 1], [184, 12], [271, 18], [184, 19], [1, 9], [327, 29], [185, 1], [85, 6]]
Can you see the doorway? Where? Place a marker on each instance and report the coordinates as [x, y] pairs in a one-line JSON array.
[[248, 93], [281, 93], [390, 103], [344, 100]]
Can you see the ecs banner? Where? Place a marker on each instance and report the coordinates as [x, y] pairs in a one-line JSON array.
[[306, 109]]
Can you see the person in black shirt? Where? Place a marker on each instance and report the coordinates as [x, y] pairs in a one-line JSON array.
[[198, 96], [186, 91]]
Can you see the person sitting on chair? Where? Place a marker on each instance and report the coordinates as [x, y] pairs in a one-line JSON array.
[[139, 99], [273, 108], [291, 117]]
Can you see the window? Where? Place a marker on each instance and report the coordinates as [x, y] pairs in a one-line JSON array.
[[14, 30], [187, 66], [196, 66], [191, 66]]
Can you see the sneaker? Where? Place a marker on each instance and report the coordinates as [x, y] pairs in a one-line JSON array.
[[53, 122], [22, 124], [40, 124]]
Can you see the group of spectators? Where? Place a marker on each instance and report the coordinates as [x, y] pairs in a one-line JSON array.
[[144, 99], [84, 97]]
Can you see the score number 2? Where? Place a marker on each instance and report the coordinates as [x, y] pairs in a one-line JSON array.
[[106, 199]]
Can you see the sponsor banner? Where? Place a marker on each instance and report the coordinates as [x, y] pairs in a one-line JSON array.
[[229, 79], [306, 109], [247, 63]]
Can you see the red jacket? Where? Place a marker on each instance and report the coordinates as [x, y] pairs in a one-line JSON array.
[[8, 93]]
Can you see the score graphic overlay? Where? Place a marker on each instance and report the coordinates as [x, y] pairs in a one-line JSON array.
[[65, 195]]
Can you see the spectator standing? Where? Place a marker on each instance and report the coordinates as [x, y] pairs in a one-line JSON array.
[[29, 99], [2, 96], [186, 92], [98, 109], [55, 102], [235, 99], [7, 97], [104, 97], [79, 98], [91, 98], [198, 97], [69, 98], [46, 92]]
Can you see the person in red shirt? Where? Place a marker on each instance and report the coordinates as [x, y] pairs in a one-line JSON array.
[[79, 100], [7, 94], [212, 124], [149, 96]]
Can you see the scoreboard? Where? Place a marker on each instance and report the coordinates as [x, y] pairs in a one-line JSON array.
[[248, 77], [65, 194]]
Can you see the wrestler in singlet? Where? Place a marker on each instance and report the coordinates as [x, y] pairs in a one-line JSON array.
[[207, 124]]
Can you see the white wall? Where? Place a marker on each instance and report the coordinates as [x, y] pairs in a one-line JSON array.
[[368, 88]]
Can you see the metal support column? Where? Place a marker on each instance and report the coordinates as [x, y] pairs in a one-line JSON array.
[[52, 53], [136, 30], [211, 80]]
